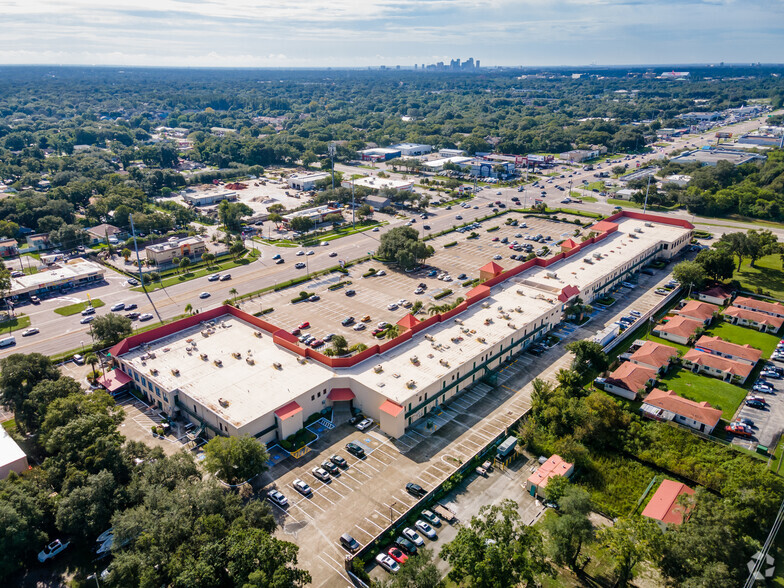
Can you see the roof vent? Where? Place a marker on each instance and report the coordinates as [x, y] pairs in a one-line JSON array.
[[204, 356], [378, 369], [223, 402], [175, 372], [277, 365]]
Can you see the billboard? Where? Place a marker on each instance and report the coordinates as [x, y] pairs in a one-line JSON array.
[[723, 135]]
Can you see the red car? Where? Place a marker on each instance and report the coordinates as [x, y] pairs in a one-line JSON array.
[[305, 325], [397, 555], [738, 429], [495, 239], [296, 332]]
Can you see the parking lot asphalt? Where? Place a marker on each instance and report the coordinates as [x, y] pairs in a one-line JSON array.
[[769, 421], [364, 498]]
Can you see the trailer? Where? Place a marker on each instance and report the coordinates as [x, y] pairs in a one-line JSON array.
[[444, 513], [506, 448]]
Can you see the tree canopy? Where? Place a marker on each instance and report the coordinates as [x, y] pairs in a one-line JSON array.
[[402, 245]]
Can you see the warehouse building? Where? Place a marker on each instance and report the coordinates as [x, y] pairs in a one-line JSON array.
[[379, 154], [234, 373], [208, 197], [712, 156], [376, 183], [412, 149], [307, 182]]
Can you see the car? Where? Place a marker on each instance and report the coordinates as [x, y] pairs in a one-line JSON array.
[[397, 554], [277, 497], [329, 337], [225, 277], [426, 530], [366, 318], [296, 332], [276, 256], [770, 373], [762, 387], [321, 474], [365, 424], [746, 421], [35, 300], [387, 563], [316, 343], [739, 429], [359, 327], [355, 450], [304, 325], [299, 265], [382, 325], [88, 310], [87, 319], [432, 274], [392, 306], [431, 518], [330, 467], [300, 252], [349, 543], [462, 277], [302, 487], [131, 306], [419, 291], [635, 313], [30, 331], [347, 321], [661, 292], [381, 273], [215, 277], [204, 295], [458, 217], [51, 550], [145, 316], [375, 229], [132, 315], [413, 536], [338, 461], [281, 260], [311, 252], [350, 292], [415, 490], [426, 227], [753, 403], [406, 545], [133, 281], [496, 257]]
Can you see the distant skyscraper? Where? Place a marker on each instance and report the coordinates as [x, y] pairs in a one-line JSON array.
[[477, 64]]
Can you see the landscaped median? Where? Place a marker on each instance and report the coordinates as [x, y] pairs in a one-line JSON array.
[[20, 321], [78, 307], [191, 274]]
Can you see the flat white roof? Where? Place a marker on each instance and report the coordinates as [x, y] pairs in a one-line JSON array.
[[75, 269], [9, 450], [379, 183], [442, 161], [309, 177]]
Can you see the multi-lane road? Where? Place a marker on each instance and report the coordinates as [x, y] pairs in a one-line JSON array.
[[59, 334]]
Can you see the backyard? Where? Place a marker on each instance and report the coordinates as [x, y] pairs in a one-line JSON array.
[[767, 275], [766, 342], [718, 394]]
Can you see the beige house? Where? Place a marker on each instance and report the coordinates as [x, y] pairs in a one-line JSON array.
[[163, 253]]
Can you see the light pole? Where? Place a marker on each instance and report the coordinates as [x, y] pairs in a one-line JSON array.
[[331, 150], [390, 511]]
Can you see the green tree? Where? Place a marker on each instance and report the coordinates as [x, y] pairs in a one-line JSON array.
[[717, 263], [572, 529], [690, 274], [339, 345], [126, 253], [496, 550], [734, 244], [111, 328], [403, 246], [92, 360], [235, 459], [231, 213], [588, 355], [184, 264], [556, 488], [86, 511], [419, 571], [34, 408], [19, 374], [301, 224], [365, 211], [189, 308], [237, 248], [630, 541], [208, 258]]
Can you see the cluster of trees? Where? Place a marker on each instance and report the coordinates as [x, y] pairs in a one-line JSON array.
[[403, 246], [171, 526]]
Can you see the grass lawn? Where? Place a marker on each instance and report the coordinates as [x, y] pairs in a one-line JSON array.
[[78, 307], [742, 335], [588, 199], [696, 387], [191, 275], [682, 348], [624, 203], [766, 274], [10, 425], [20, 321]]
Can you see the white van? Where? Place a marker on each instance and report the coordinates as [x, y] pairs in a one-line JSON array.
[[7, 341]]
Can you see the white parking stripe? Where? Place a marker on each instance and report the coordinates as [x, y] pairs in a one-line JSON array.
[[339, 570], [374, 524]]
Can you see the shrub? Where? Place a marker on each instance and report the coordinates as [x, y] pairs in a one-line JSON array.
[[285, 445], [443, 294], [491, 229], [452, 244]]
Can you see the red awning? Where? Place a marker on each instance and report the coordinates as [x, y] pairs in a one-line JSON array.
[[288, 411], [391, 408], [339, 394], [114, 380]]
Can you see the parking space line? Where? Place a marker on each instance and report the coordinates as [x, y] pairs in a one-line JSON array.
[[339, 570], [374, 524]]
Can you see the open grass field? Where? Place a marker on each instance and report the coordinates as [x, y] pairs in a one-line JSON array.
[[766, 274], [72, 309], [718, 394], [742, 335]]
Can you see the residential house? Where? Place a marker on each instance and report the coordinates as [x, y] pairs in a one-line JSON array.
[[716, 294], [718, 346], [664, 506], [553, 467], [629, 379], [678, 329], [772, 308], [699, 311], [666, 405], [654, 356], [753, 319], [105, 233], [729, 370], [8, 247], [38, 242]]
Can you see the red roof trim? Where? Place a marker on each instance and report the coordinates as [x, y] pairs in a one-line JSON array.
[[340, 394], [288, 411], [391, 408]]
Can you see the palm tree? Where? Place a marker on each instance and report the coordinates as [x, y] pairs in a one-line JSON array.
[[392, 331], [433, 309], [91, 359], [189, 308], [233, 291]]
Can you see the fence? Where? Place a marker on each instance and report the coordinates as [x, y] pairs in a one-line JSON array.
[[672, 296]]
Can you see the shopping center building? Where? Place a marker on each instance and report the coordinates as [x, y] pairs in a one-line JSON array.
[[235, 374]]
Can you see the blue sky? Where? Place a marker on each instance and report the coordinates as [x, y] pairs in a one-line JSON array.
[[339, 33]]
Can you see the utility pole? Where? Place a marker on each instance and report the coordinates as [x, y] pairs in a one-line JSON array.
[[353, 205], [331, 150], [645, 205], [141, 274]]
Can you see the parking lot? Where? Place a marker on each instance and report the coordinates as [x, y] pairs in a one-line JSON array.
[[373, 295], [767, 426]]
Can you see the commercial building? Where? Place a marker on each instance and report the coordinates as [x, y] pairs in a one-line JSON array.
[[12, 457], [712, 156], [207, 196], [379, 154], [554, 467], [8, 247], [638, 174], [163, 253], [488, 168], [666, 405], [700, 116], [446, 153], [438, 164], [677, 179], [376, 183], [316, 214], [62, 275], [235, 373], [377, 202], [776, 141], [580, 155], [412, 149], [306, 183], [678, 329], [665, 506]]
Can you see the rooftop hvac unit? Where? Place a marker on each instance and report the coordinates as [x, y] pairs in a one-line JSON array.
[[236, 355], [410, 384], [648, 224], [459, 321], [551, 275], [302, 360], [204, 356], [378, 369], [223, 402], [485, 305], [175, 372], [597, 255], [258, 334], [587, 260], [277, 365], [429, 337], [154, 372], [218, 363], [250, 361], [638, 230], [511, 325]]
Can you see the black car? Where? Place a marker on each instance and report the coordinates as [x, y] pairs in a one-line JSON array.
[[130, 306], [355, 450], [415, 490], [349, 542], [132, 315], [426, 227], [535, 350], [406, 545], [330, 467], [350, 292], [339, 461], [356, 419]]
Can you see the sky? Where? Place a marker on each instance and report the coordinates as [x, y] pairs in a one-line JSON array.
[[361, 33]]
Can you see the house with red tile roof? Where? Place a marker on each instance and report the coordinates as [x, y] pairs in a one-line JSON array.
[[772, 308], [655, 356], [753, 319], [666, 405], [629, 379], [664, 506], [716, 294], [699, 311], [718, 346], [728, 370], [555, 466], [678, 329]]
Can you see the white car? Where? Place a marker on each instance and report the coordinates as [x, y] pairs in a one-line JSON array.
[[277, 497], [386, 562], [117, 307], [311, 252], [426, 530], [381, 273], [382, 325], [52, 550], [300, 252], [392, 306], [30, 331], [359, 327], [419, 291], [302, 487], [413, 536], [321, 474], [365, 424], [87, 319]]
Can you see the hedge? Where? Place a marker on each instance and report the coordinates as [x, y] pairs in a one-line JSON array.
[[491, 229], [370, 272], [302, 296], [339, 285], [452, 244], [263, 312], [443, 294]]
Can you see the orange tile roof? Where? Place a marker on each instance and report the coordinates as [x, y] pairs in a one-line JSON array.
[[719, 345], [603, 226], [718, 291], [730, 366], [753, 315], [338, 394], [569, 244], [759, 305], [679, 325], [702, 412], [554, 466], [631, 376], [568, 292], [654, 354], [700, 311], [664, 506]]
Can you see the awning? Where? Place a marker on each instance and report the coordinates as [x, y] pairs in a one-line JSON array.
[[114, 380], [391, 408], [340, 394], [288, 411]]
